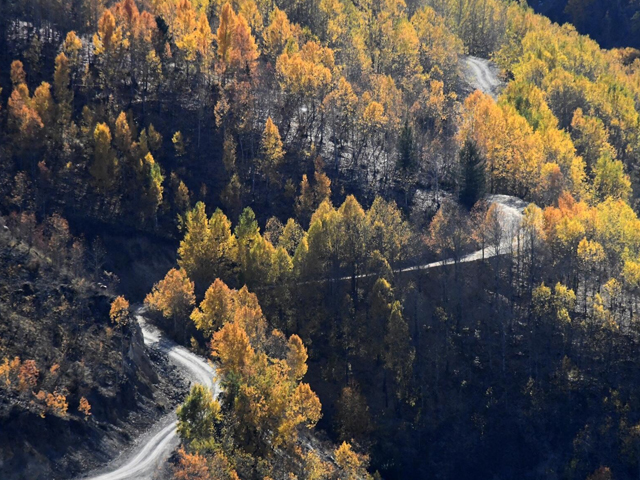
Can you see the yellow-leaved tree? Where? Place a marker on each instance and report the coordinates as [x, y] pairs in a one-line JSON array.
[[209, 249], [263, 398], [272, 152], [105, 163], [173, 297], [120, 316]]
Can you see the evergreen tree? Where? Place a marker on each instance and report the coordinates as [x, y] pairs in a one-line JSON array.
[[473, 184], [406, 150]]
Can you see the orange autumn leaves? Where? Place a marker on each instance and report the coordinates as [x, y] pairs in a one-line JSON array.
[[269, 391], [264, 403], [18, 375], [23, 378], [269, 401], [260, 371]]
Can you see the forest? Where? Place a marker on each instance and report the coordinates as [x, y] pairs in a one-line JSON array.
[[397, 238]]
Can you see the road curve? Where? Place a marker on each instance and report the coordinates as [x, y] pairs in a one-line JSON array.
[[510, 214], [482, 75], [153, 448]]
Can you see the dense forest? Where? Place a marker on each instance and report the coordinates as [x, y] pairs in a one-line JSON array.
[[273, 185]]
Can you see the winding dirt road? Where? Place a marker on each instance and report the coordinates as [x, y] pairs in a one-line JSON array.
[[481, 74], [510, 211], [153, 448]]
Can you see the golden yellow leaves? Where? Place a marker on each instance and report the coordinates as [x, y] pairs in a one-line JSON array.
[[297, 357], [277, 34], [272, 151], [610, 180], [84, 407], [172, 296], [513, 151], [353, 465], [311, 197], [222, 305], [631, 275], [105, 163], [215, 309], [268, 398], [373, 116], [591, 256], [196, 39], [209, 249], [307, 72], [305, 406], [439, 47], [231, 346], [553, 305], [119, 312]]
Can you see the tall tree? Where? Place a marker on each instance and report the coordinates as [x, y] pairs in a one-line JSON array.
[[272, 152], [473, 177], [104, 167], [195, 253]]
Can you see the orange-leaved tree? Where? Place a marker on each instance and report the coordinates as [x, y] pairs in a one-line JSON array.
[[262, 392], [173, 297]]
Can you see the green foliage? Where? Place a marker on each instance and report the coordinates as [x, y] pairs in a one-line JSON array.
[[198, 418], [361, 100], [473, 177], [610, 181]]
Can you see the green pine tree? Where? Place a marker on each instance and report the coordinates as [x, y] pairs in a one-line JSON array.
[[406, 150], [473, 181]]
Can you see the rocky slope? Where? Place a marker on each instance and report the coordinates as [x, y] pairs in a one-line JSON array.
[[59, 348]]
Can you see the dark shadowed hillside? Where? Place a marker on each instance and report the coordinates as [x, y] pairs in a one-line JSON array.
[[380, 239], [70, 379]]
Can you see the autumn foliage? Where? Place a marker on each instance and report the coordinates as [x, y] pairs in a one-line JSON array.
[[311, 157]]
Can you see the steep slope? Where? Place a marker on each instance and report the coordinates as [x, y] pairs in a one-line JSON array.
[[73, 389], [155, 447]]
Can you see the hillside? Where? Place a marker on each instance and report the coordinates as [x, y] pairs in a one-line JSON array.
[[67, 372], [404, 233]]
